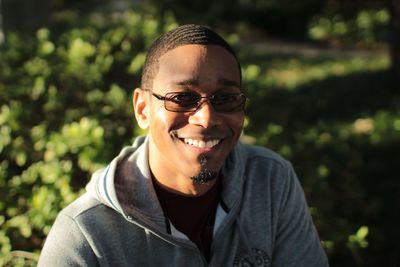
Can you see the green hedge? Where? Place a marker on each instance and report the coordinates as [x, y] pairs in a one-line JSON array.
[[368, 28], [65, 110], [337, 118]]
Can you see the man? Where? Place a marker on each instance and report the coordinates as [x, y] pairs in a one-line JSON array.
[[189, 194]]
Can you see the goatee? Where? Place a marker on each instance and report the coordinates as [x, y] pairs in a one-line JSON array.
[[205, 175]]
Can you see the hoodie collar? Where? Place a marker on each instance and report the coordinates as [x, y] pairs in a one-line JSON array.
[[125, 184], [233, 177]]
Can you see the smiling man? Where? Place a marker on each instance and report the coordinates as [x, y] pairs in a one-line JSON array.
[[188, 193]]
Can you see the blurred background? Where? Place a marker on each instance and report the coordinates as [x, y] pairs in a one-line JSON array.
[[322, 75]]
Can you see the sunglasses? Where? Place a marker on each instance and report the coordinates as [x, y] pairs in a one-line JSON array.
[[190, 101]]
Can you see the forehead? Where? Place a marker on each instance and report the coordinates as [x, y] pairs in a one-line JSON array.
[[205, 64]]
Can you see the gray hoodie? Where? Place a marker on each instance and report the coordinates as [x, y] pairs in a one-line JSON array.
[[262, 219]]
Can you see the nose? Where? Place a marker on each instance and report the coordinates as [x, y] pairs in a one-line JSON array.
[[205, 115]]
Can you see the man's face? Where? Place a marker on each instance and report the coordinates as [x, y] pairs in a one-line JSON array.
[[183, 144]]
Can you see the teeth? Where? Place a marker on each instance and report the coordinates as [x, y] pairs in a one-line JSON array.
[[202, 144]]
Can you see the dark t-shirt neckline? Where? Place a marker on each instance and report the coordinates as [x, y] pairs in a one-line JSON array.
[[192, 215]]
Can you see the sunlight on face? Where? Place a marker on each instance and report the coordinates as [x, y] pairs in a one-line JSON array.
[[179, 142]]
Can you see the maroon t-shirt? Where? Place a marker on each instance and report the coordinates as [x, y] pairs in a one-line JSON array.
[[193, 216]]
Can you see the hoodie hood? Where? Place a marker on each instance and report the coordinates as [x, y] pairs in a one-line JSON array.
[[125, 185]]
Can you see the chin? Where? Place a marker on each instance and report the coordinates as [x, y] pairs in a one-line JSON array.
[[204, 176]]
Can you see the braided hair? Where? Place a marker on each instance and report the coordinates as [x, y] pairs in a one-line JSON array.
[[183, 35]]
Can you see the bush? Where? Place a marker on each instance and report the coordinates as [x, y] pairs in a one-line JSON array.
[[337, 119], [367, 29], [64, 112]]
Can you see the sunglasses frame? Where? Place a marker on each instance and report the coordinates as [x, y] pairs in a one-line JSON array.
[[199, 102]]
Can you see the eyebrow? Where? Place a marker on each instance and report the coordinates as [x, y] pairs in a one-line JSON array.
[[188, 82], [220, 81]]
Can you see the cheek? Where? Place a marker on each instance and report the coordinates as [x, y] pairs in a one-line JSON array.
[[236, 123], [161, 117], [158, 116], [166, 121]]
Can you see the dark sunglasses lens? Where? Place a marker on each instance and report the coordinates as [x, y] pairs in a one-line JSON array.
[[228, 102], [187, 101], [181, 102]]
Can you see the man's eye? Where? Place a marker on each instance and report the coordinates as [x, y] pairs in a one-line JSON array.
[[224, 98], [184, 98]]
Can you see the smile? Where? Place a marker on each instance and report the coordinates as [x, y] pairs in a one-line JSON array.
[[201, 143]]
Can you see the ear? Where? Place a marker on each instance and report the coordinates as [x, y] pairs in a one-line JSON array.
[[141, 106]]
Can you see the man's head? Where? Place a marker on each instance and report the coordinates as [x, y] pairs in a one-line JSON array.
[[190, 139]]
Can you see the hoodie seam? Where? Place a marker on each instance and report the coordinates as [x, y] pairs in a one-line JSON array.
[[74, 216], [82, 233]]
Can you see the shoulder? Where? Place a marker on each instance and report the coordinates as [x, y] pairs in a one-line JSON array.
[[67, 244], [87, 213], [78, 213], [252, 154], [265, 168], [89, 216], [84, 215], [81, 206]]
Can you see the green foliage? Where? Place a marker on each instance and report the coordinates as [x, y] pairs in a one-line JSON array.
[[367, 28], [337, 118], [64, 112]]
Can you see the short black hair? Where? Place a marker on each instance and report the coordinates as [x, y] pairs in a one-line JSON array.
[[182, 35]]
